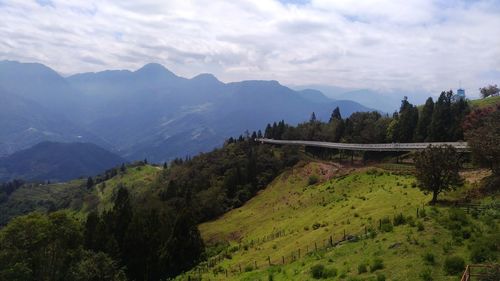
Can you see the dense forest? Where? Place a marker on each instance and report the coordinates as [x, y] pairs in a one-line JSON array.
[[433, 122]]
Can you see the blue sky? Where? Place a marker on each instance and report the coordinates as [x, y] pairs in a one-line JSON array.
[[427, 45]]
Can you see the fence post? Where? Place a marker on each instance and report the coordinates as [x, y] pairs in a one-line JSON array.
[[240, 267], [380, 224], [283, 259], [299, 253], [269, 259], [255, 263]]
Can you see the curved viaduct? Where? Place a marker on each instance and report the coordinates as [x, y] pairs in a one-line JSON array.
[[460, 146]]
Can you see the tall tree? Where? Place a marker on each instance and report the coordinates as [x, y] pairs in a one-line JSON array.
[[441, 117], [424, 121], [437, 169], [482, 132], [407, 122], [335, 114]]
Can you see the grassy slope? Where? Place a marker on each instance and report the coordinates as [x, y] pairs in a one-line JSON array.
[[347, 203], [74, 195], [485, 102]]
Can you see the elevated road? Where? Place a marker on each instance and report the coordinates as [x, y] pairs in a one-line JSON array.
[[460, 146]]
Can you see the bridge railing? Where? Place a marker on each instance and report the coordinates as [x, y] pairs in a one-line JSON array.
[[369, 146]]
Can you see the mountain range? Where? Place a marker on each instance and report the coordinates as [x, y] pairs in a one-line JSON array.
[[148, 113]]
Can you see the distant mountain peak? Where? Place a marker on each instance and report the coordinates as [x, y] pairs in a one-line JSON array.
[[154, 69], [206, 77]]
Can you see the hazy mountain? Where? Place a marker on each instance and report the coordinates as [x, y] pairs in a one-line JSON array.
[[386, 101], [57, 162], [148, 113]]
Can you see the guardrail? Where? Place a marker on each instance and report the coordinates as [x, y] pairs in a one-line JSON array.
[[461, 146]]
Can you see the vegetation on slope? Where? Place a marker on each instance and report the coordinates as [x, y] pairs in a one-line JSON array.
[[291, 215]]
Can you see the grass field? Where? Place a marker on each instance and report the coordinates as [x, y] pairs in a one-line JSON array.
[[485, 102], [291, 216]]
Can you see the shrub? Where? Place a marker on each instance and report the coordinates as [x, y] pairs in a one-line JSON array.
[[376, 265], [422, 213], [429, 259], [420, 226], [362, 268], [426, 275], [319, 271], [270, 277], [248, 268], [399, 220], [316, 225], [454, 265], [484, 249], [380, 277], [386, 225], [313, 179]]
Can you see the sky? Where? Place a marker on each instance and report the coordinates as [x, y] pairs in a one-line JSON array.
[[412, 45]]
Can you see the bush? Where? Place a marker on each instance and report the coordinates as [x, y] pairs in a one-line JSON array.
[[386, 225], [484, 249], [313, 179], [420, 226], [429, 259], [319, 271], [426, 275], [399, 220], [380, 277], [376, 265], [248, 268], [362, 268], [454, 265]]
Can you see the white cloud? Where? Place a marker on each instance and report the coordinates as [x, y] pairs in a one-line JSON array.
[[414, 44]]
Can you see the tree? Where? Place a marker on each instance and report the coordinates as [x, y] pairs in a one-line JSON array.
[[97, 267], [482, 132], [441, 117], [490, 90], [437, 169], [184, 246], [39, 247], [407, 122], [90, 182], [335, 114], [313, 118], [424, 121]]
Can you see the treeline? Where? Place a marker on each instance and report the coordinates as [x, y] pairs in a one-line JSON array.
[[224, 178], [433, 122]]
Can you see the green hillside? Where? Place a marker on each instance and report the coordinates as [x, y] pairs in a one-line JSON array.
[[287, 221], [485, 102], [75, 195]]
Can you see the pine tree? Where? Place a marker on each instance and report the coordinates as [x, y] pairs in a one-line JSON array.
[[313, 118], [408, 118], [424, 121], [336, 114], [441, 117]]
